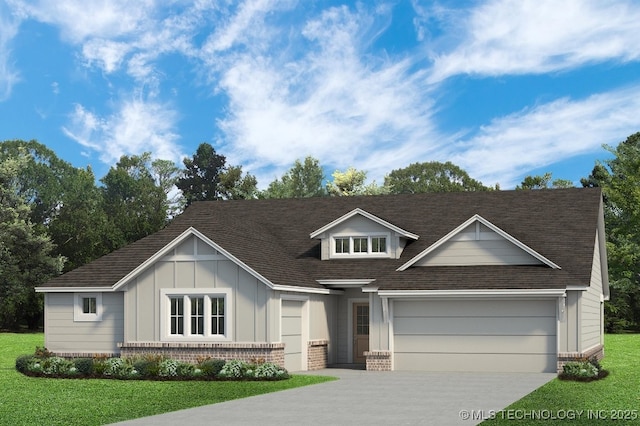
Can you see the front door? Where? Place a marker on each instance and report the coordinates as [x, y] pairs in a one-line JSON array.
[[360, 332]]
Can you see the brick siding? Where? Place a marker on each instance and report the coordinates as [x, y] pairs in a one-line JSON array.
[[192, 352], [317, 354], [565, 357], [378, 360]]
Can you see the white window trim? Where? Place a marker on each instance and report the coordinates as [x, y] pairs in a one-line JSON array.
[[79, 315], [187, 293], [369, 253]]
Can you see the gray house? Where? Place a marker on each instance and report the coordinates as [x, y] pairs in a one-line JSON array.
[[478, 281]]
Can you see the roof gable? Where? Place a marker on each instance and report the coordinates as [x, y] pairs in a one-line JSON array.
[[474, 229], [358, 211]]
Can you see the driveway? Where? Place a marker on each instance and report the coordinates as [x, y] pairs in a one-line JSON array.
[[367, 397]]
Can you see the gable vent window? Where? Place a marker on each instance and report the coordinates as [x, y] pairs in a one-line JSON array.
[[373, 246], [194, 314]]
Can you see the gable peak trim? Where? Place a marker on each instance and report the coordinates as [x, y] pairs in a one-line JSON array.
[[477, 218], [364, 213]]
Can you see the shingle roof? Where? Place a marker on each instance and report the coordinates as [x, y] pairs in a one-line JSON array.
[[272, 237]]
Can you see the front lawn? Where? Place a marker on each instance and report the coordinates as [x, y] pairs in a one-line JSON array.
[[43, 401], [614, 400]]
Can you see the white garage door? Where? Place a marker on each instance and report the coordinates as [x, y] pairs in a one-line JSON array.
[[292, 334], [480, 335]]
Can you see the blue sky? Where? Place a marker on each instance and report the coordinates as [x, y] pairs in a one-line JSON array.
[[501, 88]]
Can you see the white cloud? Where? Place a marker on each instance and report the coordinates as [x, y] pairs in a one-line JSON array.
[[537, 137], [535, 36], [330, 103], [8, 75], [137, 126]]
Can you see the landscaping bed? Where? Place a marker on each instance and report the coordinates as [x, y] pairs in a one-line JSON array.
[[146, 367]]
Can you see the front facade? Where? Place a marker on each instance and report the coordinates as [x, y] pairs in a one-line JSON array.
[[495, 281]]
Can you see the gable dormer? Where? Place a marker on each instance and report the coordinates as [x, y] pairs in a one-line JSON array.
[[478, 242], [360, 234]]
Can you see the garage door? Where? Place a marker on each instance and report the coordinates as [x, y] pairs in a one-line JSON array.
[[481, 335], [292, 334]]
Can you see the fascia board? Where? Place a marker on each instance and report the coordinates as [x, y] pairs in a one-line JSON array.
[[473, 293], [473, 219], [74, 289], [369, 216]]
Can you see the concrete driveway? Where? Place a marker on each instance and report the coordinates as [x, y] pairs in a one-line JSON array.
[[371, 398]]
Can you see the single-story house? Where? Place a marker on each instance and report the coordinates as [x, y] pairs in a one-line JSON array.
[[476, 281]]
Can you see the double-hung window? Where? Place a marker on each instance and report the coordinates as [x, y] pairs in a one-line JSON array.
[[195, 314]]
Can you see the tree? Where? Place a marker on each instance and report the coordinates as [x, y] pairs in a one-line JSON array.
[[25, 254], [207, 177], [543, 182], [301, 181], [351, 182], [166, 174], [431, 176], [134, 204], [619, 179], [64, 201]]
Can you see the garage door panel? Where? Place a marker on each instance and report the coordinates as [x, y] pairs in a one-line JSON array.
[[475, 308], [438, 344], [529, 363], [473, 326]]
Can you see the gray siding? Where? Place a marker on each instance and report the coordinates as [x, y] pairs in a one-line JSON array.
[[64, 335], [378, 329], [591, 325], [194, 264], [475, 335], [478, 252]]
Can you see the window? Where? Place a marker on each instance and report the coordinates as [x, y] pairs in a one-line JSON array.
[[342, 245], [194, 314], [87, 307], [375, 246], [378, 244]]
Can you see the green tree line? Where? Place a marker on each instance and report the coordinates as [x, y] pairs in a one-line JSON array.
[[55, 217]]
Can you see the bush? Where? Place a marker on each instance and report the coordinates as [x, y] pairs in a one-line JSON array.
[[119, 367], [84, 366], [24, 363], [211, 367], [271, 371], [57, 366], [234, 369], [146, 367], [584, 370]]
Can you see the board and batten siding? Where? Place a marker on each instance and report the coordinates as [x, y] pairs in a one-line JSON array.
[[475, 335], [477, 245], [64, 335], [591, 305], [192, 265]]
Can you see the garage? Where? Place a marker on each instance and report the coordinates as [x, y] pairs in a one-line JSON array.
[[292, 335], [475, 335]]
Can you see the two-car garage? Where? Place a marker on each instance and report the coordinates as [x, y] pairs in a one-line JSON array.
[[475, 335]]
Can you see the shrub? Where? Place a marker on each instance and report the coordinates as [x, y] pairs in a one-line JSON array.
[[271, 371], [118, 367], [57, 366], [146, 367], [24, 363], [234, 369], [584, 370], [168, 368], [211, 367], [42, 352], [84, 366]]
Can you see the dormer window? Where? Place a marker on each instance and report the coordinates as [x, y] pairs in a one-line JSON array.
[[369, 245]]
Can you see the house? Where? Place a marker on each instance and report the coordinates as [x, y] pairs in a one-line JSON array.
[[476, 281]]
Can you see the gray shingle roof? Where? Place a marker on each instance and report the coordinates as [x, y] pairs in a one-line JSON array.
[[272, 237]]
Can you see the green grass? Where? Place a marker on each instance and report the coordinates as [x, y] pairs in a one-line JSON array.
[[43, 401], [614, 396]]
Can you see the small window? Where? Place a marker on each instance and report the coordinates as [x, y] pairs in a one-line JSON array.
[[217, 315], [342, 245], [197, 315], [360, 245], [87, 307], [378, 244], [177, 315]]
